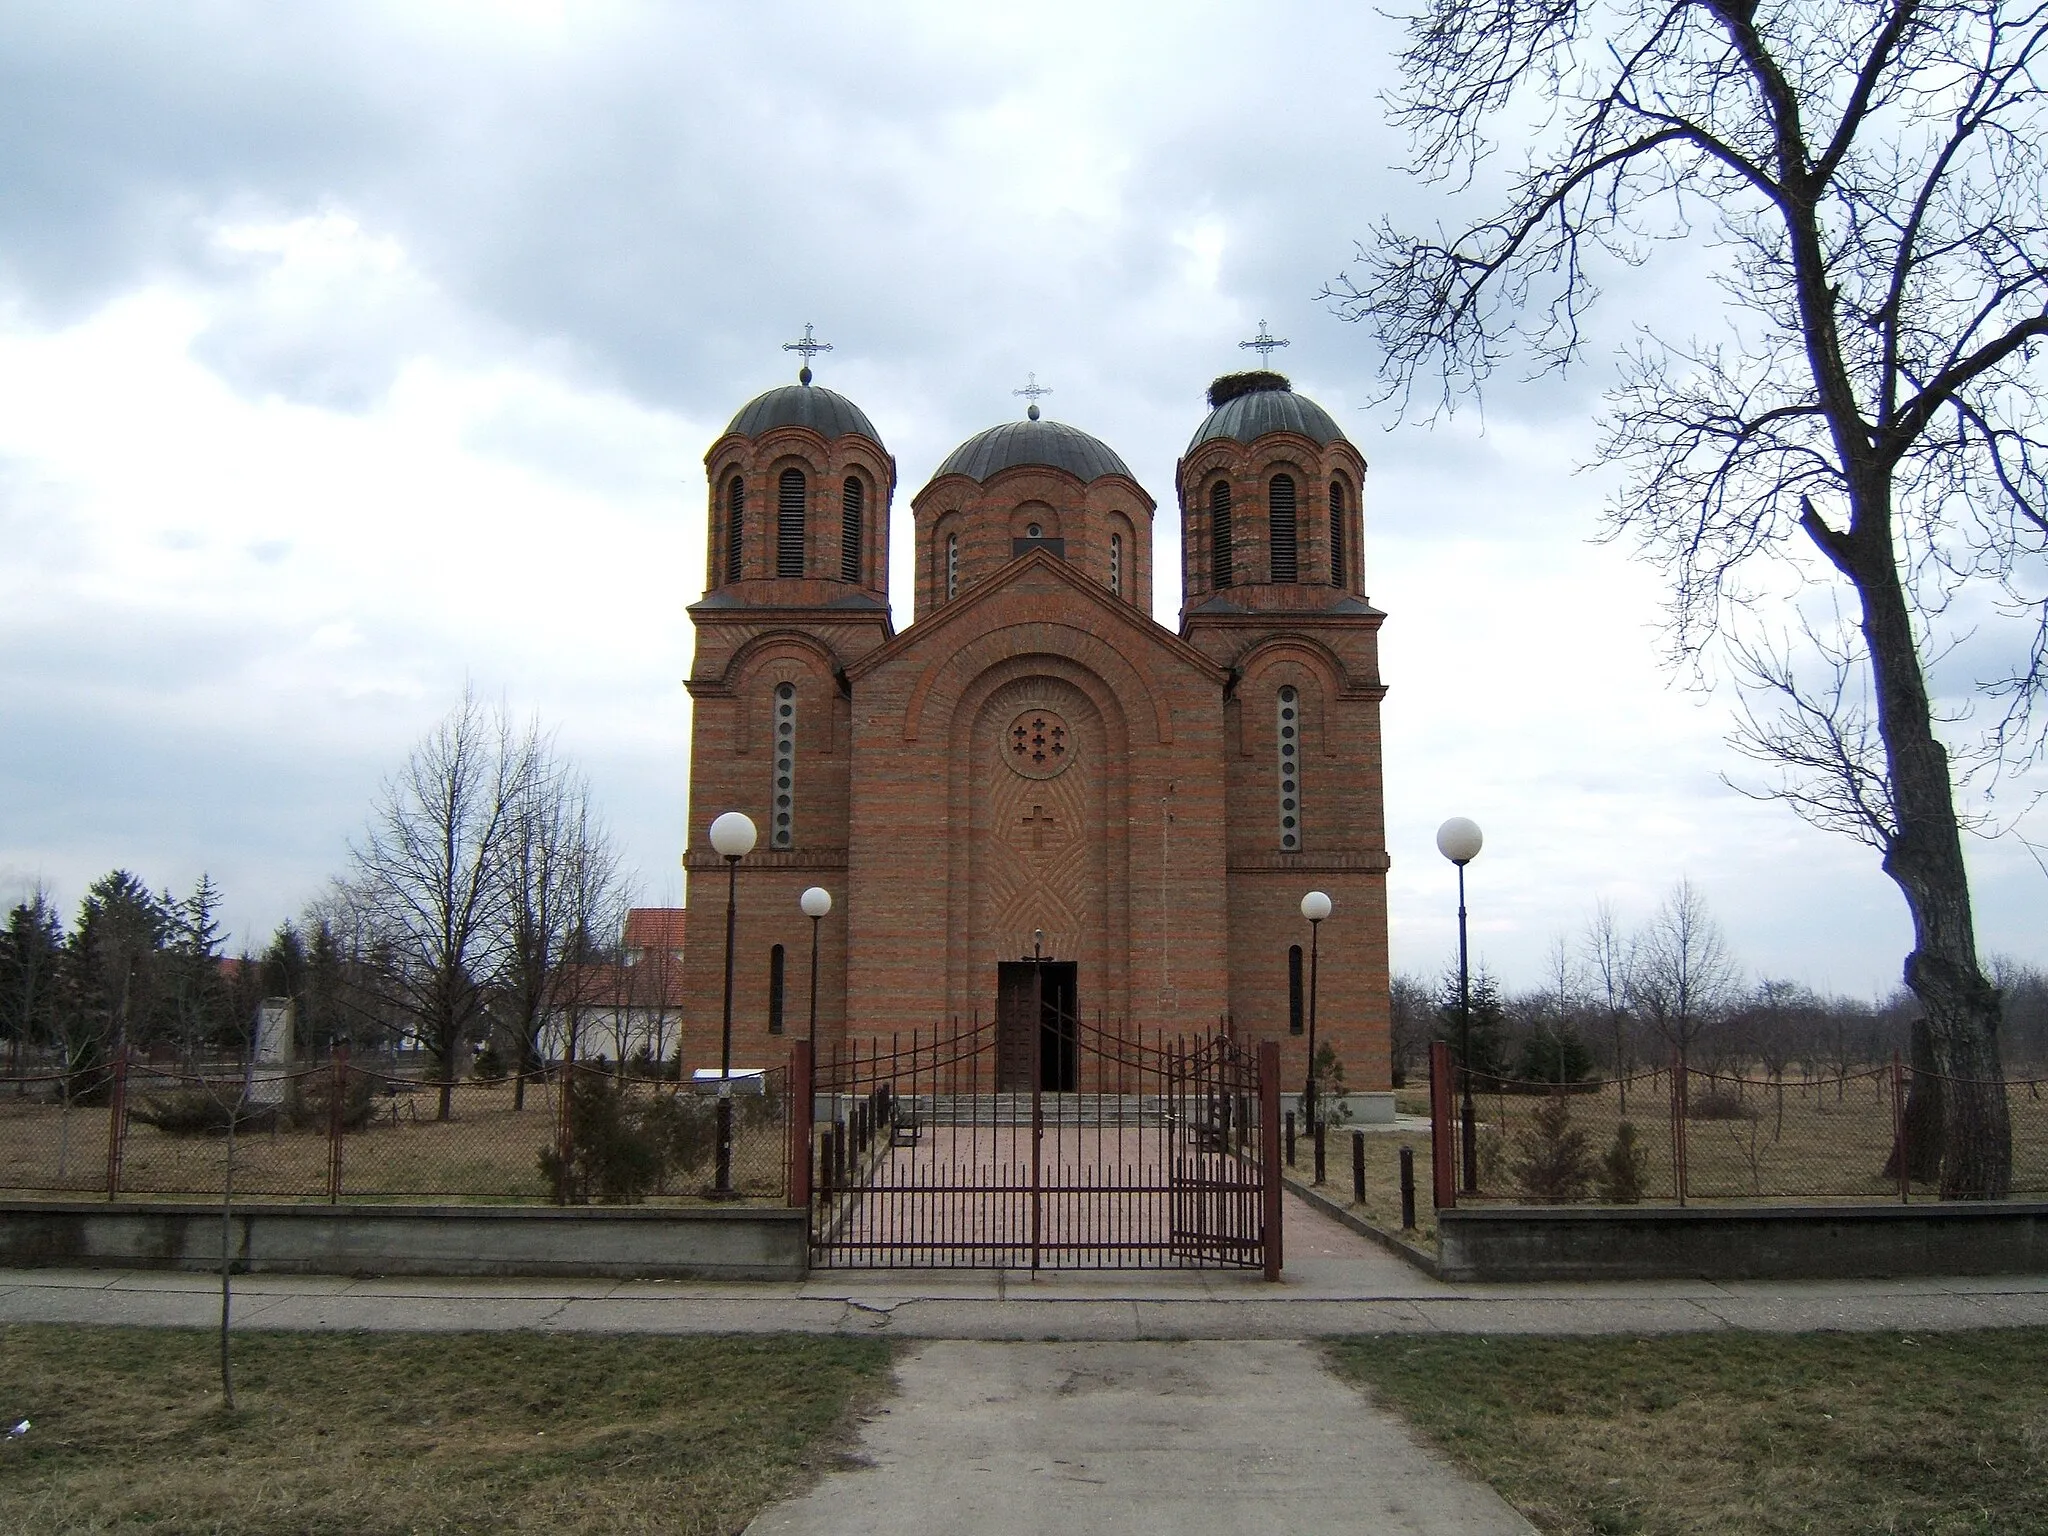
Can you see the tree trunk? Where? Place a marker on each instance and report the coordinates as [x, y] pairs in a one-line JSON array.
[[1925, 861], [1923, 1115]]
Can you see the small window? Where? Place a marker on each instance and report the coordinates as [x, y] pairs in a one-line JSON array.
[[777, 966], [735, 526], [782, 818], [1295, 1012], [952, 566], [1219, 534], [853, 506], [1280, 526], [1290, 770], [1116, 564], [1034, 532], [789, 526], [1336, 533]]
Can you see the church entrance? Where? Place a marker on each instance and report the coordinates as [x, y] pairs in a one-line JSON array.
[[1038, 1020]]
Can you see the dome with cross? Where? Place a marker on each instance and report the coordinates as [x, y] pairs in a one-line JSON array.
[[1036, 442], [1246, 406], [824, 411]]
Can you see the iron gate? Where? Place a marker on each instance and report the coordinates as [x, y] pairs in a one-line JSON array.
[[1163, 1153]]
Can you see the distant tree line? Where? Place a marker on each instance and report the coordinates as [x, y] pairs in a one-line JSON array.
[[482, 906], [1616, 1003]]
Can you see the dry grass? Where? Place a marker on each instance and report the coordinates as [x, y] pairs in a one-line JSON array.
[[390, 1433], [487, 1150], [1382, 1203], [1941, 1434]]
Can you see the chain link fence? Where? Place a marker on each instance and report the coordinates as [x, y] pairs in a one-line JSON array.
[[337, 1131], [1677, 1135]]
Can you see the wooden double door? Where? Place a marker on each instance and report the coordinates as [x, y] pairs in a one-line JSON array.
[[1038, 1019]]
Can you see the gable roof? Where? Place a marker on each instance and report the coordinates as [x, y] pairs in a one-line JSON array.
[[655, 927]]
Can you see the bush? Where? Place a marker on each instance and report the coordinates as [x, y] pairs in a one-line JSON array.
[[1626, 1169], [1333, 1107], [199, 1112], [1554, 1056], [1720, 1104], [309, 1101], [489, 1066], [1553, 1160], [622, 1146]]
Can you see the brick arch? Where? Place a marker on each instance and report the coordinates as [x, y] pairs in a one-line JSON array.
[[1131, 680], [782, 656]]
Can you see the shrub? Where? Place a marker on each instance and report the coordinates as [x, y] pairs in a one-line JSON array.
[[199, 1112], [1720, 1104], [1553, 1161], [1554, 1056], [623, 1146], [309, 1101], [1626, 1169], [1333, 1107], [489, 1066]]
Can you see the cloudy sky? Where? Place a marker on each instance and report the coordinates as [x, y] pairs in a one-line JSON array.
[[350, 352]]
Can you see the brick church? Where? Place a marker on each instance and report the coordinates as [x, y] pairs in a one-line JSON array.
[[1035, 769]]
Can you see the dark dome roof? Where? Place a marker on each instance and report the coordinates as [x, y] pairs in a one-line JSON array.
[[825, 412], [1268, 408], [1051, 443]]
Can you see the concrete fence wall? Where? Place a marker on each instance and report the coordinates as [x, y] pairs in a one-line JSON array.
[[727, 1243]]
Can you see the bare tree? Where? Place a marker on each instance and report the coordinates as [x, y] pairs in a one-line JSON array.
[[1413, 1021], [1608, 956], [1872, 175], [426, 883], [560, 882], [1682, 972]]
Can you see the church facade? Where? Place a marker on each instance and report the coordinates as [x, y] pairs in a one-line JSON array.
[[1035, 769]]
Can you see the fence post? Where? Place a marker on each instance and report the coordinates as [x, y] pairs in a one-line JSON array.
[[1900, 1150], [1678, 1107], [1442, 1159], [117, 1122], [335, 1107], [800, 1124], [566, 1082], [1269, 1151]]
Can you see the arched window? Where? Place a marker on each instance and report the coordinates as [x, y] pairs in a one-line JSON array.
[[789, 524], [777, 966], [735, 525], [851, 506], [1280, 526], [1290, 771], [1116, 564], [1296, 1013], [1336, 533], [782, 820], [952, 566], [1219, 534]]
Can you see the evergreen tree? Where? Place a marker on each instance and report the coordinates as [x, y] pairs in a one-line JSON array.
[[1554, 1053], [112, 961], [31, 952], [1489, 1023], [195, 1007]]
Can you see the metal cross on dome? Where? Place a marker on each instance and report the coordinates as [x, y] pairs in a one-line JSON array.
[[810, 347], [1265, 343], [1031, 391]]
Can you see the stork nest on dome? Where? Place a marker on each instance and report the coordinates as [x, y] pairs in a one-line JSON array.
[[1231, 385]]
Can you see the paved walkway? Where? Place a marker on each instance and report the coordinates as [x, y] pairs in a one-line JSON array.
[[1192, 1439], [1336, 1282]]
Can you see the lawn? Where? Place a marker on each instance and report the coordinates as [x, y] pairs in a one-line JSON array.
[[387, 1433], [1753, 1433]]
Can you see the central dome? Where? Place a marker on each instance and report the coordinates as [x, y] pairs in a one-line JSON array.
[[1249, 405], [824, 411], [1053, 444]]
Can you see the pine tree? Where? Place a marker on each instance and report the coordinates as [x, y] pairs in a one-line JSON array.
[[1489, 1023], [31, 951], [1553, 1160]]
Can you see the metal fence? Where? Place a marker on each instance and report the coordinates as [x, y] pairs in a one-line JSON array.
[[1671, 1134], [338, 1131]]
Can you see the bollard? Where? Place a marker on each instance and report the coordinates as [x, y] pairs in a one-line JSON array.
[[1358, 1167], [1407, 1189], [1319, 1138], [1290, 1138]]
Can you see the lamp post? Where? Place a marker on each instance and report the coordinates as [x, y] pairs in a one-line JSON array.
[[1315, 906], [1459, 840], [815, 902], [732, 839]]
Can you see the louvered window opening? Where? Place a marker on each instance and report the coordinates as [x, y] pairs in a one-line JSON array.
[[789, 525], [1219, 533], [1336, 533], [851, 509], [735, 526], [952, 566], [1290, 771], [1280, 526], [1116, 564], [782, 817]]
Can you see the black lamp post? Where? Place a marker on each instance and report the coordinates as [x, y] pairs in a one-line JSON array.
[[1459, 840], [732, 839], [816, 902], [1315, 906]]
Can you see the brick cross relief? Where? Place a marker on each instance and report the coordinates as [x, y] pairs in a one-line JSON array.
[[1038, 822]]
